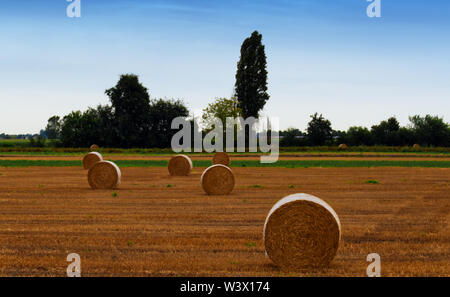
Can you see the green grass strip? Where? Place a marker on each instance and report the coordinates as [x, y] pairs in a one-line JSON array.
[[243, 163]]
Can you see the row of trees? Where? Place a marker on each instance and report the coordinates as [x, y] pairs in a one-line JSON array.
[[426, 131], [132, 119]]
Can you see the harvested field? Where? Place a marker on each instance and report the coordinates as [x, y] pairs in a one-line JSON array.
[[157, 225], [249, 157]]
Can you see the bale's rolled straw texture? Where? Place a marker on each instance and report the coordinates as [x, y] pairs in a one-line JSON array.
[[180, 165], [301, 231], [218, 180], [94, 147], [90, 159], [104, 175], [342, 146], [221, 158]]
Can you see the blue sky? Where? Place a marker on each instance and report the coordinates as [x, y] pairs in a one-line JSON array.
[[325, 56]]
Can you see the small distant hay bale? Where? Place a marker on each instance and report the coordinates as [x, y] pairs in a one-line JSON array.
[[180, 165], [301, 231], [416, 146], [218, 180], [104, 175], [221, 158], [90, 159], [343, 146], [94, 147]]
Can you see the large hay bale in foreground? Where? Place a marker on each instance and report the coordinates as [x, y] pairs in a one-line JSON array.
[[94, 147], [221, 158], [416, 146], [301, 231], [180, 165], [218, 180], [104, 175], [342, 146], [90, 159]]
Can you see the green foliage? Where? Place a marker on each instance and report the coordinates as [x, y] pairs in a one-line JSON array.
[[293, 137], [53, 129], [37, 141], [80, 129], [221, 108], [160, 115], [319, 130], [131, 121], [358, 136], [431, 130], [251, 77], [371, 181], [386, 132], [239, 163], [426, 131], [131, 103]]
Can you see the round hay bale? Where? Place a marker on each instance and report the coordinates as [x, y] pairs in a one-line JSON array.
[[416, 146], [94, 147], [104, 175], [301, 231], [90, 159], [221, 158], [342, 146], [218, 180], [180, 165]]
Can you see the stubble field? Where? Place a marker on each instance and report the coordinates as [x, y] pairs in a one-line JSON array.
[[157, 225]]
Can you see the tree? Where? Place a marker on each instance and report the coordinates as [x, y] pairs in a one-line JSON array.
[[430, 130], [80, 129], [53, 128], [160, 116], [221, 108], [319, 130], [358, 136], [386, 133], [292, 137], [251, 77], [107, 131], [130, 101]]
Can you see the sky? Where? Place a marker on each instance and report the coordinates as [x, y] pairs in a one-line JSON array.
[[322, 56]]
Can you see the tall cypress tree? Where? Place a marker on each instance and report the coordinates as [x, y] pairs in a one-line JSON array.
[[251, 77]]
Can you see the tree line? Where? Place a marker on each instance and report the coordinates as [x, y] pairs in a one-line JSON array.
[[425, 131], [133, 120]]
